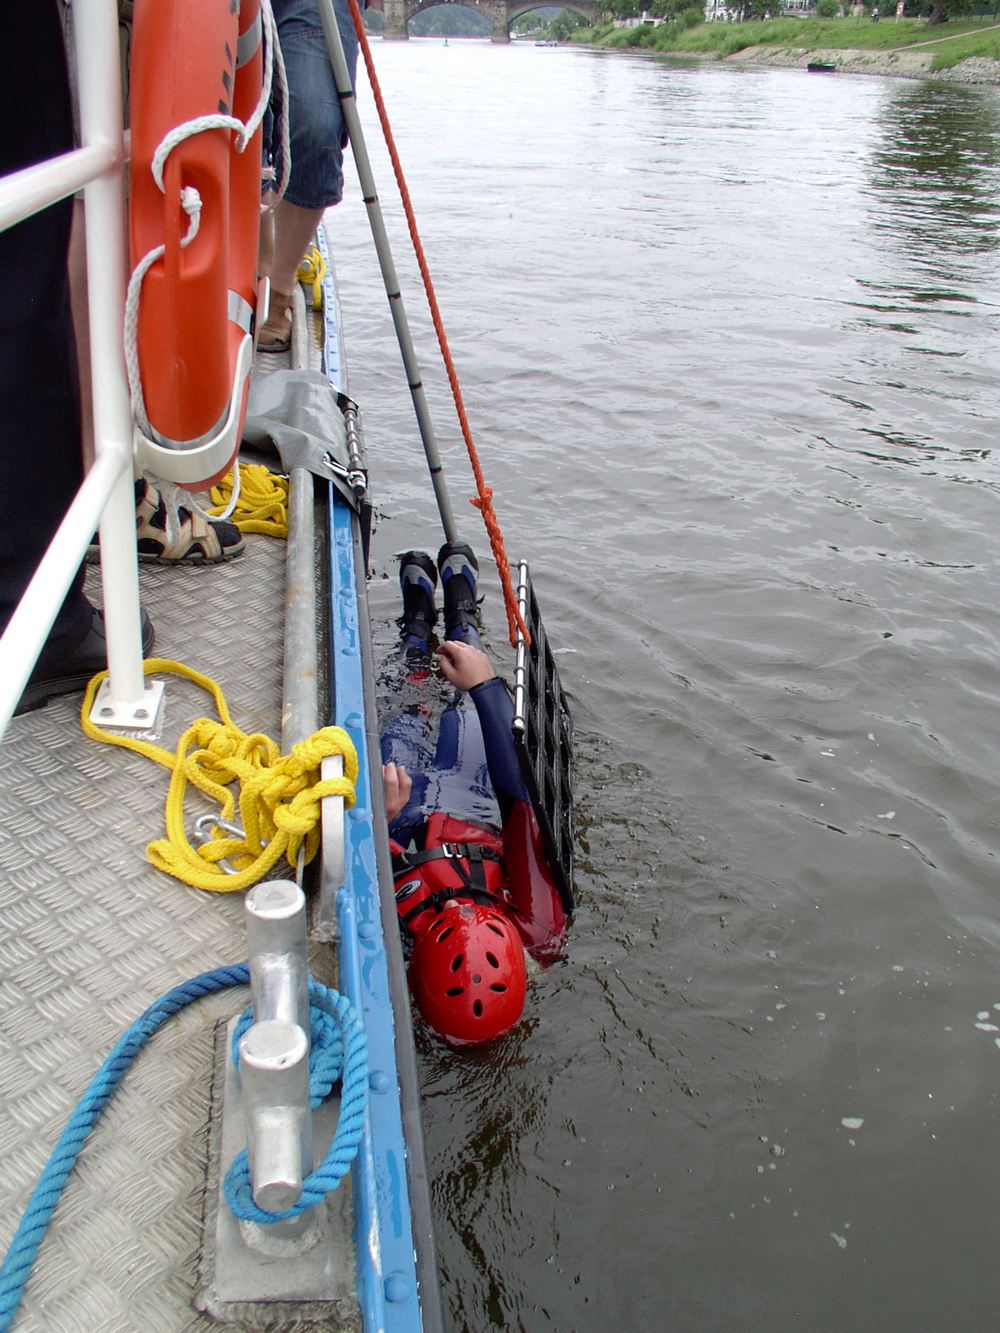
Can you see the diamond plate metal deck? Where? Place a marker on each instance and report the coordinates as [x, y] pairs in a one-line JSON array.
[[90, 934]]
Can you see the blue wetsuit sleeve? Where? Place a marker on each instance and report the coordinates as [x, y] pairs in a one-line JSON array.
[[541, 918], [495, 708]]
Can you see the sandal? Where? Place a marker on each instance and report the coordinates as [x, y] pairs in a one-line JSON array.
[[275, 334], [176, 535]]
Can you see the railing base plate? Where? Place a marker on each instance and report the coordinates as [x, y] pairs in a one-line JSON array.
[[139, 716]]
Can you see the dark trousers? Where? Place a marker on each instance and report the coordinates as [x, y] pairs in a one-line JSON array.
[[40, 461]]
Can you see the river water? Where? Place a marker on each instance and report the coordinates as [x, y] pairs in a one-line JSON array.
[[728, 339]]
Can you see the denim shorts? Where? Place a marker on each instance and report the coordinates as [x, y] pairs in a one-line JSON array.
[[315, 122]]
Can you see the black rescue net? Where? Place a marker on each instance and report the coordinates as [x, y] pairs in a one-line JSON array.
[[543, 732]]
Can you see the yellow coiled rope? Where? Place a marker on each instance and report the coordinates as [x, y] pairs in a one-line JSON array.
[[279, 795], [262, 506]]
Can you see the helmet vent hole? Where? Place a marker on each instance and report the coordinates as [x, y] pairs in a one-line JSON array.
[[500, 989], [477, 1008], [454, 991], [491, 958], [495, 929], [457, 962], [443, 934]]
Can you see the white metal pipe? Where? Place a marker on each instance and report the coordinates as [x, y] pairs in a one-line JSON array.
[[31, 622], [28, 191], [95, 31], [108, 486]]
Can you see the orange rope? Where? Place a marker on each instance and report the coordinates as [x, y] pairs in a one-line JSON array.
[[483, 501]]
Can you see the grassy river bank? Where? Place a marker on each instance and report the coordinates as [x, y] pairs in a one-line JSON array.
[[962, 52]]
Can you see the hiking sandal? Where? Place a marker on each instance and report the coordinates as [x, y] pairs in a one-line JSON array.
[[168, 532]]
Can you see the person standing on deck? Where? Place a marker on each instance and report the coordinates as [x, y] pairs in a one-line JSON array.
[[318, 137], [472, 897]]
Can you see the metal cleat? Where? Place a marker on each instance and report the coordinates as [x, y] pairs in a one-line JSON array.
[[274, 1077], [276, 941]]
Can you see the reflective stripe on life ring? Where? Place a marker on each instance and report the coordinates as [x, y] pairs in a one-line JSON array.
[[195, 58]]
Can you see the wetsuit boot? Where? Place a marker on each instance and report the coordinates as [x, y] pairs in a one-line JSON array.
[[459, 579], [418, 581]]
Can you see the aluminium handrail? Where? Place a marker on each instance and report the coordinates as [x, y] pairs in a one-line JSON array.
[[108, 488]]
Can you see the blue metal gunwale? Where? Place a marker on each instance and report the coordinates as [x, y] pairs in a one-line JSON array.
[[397, 1288], [334, 364]]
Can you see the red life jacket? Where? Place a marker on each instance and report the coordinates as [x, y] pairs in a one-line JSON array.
[[458, 860]]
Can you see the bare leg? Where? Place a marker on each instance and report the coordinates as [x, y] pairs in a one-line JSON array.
[[294, 228]]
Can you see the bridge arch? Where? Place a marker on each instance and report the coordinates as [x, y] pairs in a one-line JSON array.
[[499, 13], [587, 12]]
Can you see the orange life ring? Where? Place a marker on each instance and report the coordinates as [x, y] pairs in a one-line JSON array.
[[197, 301]]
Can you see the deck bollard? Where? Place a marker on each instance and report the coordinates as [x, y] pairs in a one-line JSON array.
[[276, 941], [274, 1078], [274, 1052]]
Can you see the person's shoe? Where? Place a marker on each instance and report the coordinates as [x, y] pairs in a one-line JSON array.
[[180, 536], [460, 582], [61, 672], [417, 580], [276, 332]]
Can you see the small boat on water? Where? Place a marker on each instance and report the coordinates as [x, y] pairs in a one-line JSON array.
[[153, 1229], [821, 67]]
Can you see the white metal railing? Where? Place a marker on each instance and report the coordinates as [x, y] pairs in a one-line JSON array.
[[107, 493]]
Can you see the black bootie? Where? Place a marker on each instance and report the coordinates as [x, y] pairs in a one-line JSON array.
[[460, 581], [418, 581]]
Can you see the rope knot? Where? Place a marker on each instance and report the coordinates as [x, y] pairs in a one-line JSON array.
[[191, 204], [215, 742], [324, 743]]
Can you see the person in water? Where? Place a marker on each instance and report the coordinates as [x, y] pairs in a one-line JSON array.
[[474, 888]]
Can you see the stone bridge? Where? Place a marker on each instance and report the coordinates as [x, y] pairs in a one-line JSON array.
[[501, 13]]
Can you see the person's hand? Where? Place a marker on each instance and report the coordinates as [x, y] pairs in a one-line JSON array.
[[463, 665], [396, 786]]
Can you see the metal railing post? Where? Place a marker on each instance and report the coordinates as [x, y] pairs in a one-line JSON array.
[[95, 32], [98, 166]]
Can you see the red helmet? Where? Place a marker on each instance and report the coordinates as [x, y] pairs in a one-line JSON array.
[[468, 975]]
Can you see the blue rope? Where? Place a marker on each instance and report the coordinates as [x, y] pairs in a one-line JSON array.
[[334, 1024], [42, 1204], [336, 1016]]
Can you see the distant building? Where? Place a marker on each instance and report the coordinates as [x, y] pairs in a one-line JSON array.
[[719, 11], [645, 20]]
